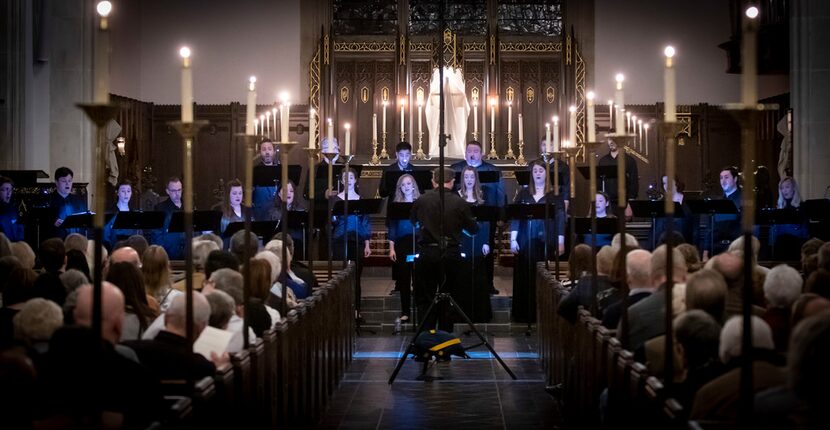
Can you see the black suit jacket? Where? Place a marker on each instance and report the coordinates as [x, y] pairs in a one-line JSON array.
[[632, 178], [170, 356]]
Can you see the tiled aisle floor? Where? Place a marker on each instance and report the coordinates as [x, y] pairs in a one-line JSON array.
[[475, 393]]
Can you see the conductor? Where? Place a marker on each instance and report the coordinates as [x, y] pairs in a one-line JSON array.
[[457, 216]]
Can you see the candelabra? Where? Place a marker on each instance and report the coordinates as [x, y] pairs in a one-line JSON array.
[[330, 156], [383, 154], [419, 155], [492, 155], [509, 155], [520, 161], [375, 160]]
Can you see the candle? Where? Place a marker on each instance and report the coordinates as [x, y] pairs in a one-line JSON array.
[[592, 127], [256, 126], [521, 131], [572, 123], [187, 85], [329, 136], [403, 103], [610, 113], [285, 109], [374, 128], [102, 55], [312, 128], [669, 86], [547, 137], [640, 131], [619, 100], [492, 115], [348, 128], [556, 133], [475, 118], [645, 137], [268, 124], [509, 118], [274, 115], [749, 58], [249, 114], [383, 122], [420, 110], [627, 121]]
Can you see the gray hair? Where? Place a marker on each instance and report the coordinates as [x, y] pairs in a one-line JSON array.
[[212, 238], [737, 246], [201, 250], [175, 315], [638, 265], [782, 286], [37, 320], [730, 337], [72, 279], [76, 241], [24, 253], [221, 308], [237, 245], [630, 242], [605, 260], [229, 281], [658, 262]]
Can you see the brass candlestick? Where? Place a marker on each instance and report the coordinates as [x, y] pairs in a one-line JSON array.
[[383, 154], [492, 155], [419, 155], [509, 155], [284, 148], [330, 156], [375, 160], [520, 161], [311, 247]]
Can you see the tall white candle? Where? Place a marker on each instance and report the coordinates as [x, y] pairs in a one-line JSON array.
[[592, 126], [556, 133], [475, 118], [493, 115], [749, 57], [383, 122], [251, 107], [420, 114], [619, 100], [669, 86], [101, 93], [374, 128], [610, 113], [547, 138], [285, 115], [268, 124], [521, 130], [572, 123], [509, 118], [403, 102], [274, 116], [627, 121], [187, 85], [329, 136], [640, 131], [256, 126], [312, 128], [348, 128], [645, 137]]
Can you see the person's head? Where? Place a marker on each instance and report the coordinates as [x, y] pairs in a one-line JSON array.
[[691, 255], [231, 282], [605, 260], [679, 186], [730, 337], [6, 189], [612, 145], [63, 180], [24, 253], [807, 305], [330, 147], [818, 283], [36, 321], [234, 198], [138, 242], [698, 337], [125, 254], [406, 190], [175, 319], [287, 239], [473, 153], [706, 291], [76, 260], [602, 204], [52, 255], [155, 267], [222, 308], [201, 250], [20, 286], [659, 267], [128, 278], [112, 310], [824, 256], [5, 245], [788, 191], [470, 184], [349, 179], [174, 190], [221, 260], [638, 267], [737, 246], [72, 279], [782, 286], [124, 192], [449, 177], [273, 260], [538, 176], [580, 260], [76, 241], [287, 193], [266, 152], [807, 368], [729, 179], [260, 278], [630, 242], [213, 238], [404, 152], [238, 245]]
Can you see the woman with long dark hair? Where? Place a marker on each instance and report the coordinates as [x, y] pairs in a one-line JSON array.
[[295, 204], [138, 314], [352, 232], [473, 295], [232, 204]]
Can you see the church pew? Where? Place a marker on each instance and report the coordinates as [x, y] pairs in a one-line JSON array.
[[202, 395], [269, 340], [242, 392], [637, 374], [256, 352], [224, 381], [178, 413]]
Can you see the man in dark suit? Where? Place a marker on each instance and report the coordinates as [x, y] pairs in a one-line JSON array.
[[494, 194], [263, 197], [173, 243], [728, 226], [638, 269], [170, 355], [8, 211], [63, 203], [632, 178], [404, 152]]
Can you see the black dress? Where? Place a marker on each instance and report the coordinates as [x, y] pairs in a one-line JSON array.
[[473, 293], [531, 240]]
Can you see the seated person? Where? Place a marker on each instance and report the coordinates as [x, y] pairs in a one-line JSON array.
[[582, 293]]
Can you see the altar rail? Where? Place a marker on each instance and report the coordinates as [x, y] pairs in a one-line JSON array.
[[581, 360], [284, 379]]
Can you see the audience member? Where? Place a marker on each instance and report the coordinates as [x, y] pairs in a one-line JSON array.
[[138, 243], [638, 268], [261, 317], [807, 305], [808, 370], [24, 253], [221, 309], [579, 262], [156, 270], [697, 336], [77, 242], [19, 289], [125, 254], [809, 255], [782, 287], [819, 283], [582, 294], [730, 266], [231, 282], [138, 314], [298, 267], [220, 259], [237, 245], [36, 322], [76, 260], [692, 257], [296, 285]]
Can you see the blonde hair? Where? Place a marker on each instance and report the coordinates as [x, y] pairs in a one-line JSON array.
[[796, 202], [155, 265], [462, 190], [399, 197]]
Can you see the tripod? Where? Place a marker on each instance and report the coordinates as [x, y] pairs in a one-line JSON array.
[[444, 297]]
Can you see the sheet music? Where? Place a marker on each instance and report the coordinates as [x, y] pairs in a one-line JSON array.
[[212, 340]]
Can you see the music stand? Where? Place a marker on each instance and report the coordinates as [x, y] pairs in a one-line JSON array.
[[202, 221], [818, 216], [82, 220], [269, 176], [355, 208], [527, 213], [652, 209], [603, 173], [712, 207], [582, 225], [263, 229], [774, 217], [129, 220]]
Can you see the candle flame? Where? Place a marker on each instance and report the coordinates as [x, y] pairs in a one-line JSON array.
[[184, 52], [669, 51], [274, 111], [639, 121], [645, 126], [572, 109], [590, 95], [268, 114], [611, 103], [752, 12], [619, 77], [104, 8], [556, 119], [493, 101], [284, 97], [347, 126], [251, 83]]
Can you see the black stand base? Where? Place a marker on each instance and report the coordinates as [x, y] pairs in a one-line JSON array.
[[444, 297]]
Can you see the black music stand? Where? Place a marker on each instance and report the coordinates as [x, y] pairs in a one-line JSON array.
[[129, 220], [711, 208], [604, 226], [202, 221], [653, 209], [263, 229], [82, 220], [527, 213], [773, 217], [355, 207], [604, 173], [818, 216], [270, 176]]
